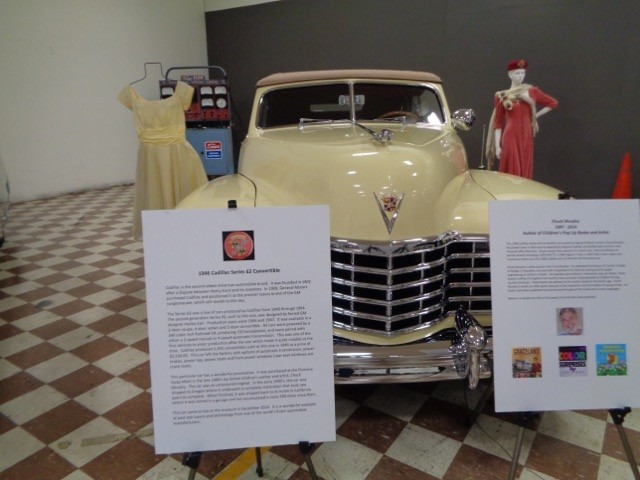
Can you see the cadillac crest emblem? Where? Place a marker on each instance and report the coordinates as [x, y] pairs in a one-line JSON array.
[[389, 205]]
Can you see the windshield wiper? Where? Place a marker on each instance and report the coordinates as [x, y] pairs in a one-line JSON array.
[[383, 136], [400, 118], [317, 121]]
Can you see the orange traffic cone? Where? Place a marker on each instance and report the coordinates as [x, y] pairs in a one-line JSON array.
[[622, 189]]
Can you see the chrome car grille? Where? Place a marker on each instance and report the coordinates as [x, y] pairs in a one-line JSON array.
[[404, 286]]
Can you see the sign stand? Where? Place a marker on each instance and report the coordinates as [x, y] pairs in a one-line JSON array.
[[617, 415], [524, 418], [295, 293], [259, 469], [305, 448], [192, 460], [555, 275]]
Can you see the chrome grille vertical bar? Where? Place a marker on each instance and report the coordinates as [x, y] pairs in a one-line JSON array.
[[423, 259], [352, 306], [471, 275], [389, 295]]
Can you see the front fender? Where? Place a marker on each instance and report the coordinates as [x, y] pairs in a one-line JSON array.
[[503, 186], [464, 204], [463, 207], [218, 192]]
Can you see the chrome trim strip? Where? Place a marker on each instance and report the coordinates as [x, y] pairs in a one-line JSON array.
[[413, 245], [384, 333], [384, 318], [391, 303], [393, 364], [375, 377], [397, 333], [397, 286], [386, 271], [470, 270], [480, 298], [383, 250], [468, 284]]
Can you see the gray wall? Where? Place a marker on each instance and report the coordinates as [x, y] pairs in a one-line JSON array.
[[586, 53]]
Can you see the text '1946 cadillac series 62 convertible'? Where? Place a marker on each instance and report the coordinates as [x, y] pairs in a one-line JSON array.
[[410, 260]]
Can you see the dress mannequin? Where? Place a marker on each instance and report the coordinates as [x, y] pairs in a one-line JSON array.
[[168, 167], [514, 122]]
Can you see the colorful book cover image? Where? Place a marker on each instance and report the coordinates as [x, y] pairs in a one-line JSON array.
[[526, 362], [611, 359], [572, 361]]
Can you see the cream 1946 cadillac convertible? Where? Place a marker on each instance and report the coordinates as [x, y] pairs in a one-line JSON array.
[[411, 290]]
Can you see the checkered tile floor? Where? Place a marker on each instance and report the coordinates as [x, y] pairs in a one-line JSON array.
[[75, 398]]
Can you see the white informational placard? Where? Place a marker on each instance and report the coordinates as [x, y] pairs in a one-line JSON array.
[[565, 279], [239, 313]]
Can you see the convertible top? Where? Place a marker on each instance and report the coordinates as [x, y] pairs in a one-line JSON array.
[[292, 77]]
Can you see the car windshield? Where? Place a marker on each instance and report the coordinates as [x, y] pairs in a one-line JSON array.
[[333, 102]]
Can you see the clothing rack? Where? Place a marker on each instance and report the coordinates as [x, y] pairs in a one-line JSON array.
[[145, 71]]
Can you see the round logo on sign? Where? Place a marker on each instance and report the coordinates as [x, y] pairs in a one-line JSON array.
[[238, 245]]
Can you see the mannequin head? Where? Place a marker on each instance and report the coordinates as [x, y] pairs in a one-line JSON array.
[[517, 70], [517, 76]]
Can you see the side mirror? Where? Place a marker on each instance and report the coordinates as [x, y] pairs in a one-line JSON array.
[[463, 118]]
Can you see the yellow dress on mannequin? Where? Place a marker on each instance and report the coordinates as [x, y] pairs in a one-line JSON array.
[[168, 167]]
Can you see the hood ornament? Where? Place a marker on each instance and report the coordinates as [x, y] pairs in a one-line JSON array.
[[389, 205], [384, 136]]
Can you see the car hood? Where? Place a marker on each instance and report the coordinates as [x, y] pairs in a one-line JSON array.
[[422, 170], [357, 176]]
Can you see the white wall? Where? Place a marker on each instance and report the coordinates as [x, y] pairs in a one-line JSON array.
[[62, 65]]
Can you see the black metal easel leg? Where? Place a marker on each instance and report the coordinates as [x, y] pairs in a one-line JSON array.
[[305, 449], [524, 419], [516, 453], [259, 469], [617, 415], [192, 460]]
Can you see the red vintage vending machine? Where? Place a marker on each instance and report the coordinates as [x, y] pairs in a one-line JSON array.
[[208, 119]]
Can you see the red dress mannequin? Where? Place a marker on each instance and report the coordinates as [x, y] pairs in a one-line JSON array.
[[514, 122]]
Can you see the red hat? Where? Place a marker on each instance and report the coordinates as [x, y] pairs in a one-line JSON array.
[[515, 64]]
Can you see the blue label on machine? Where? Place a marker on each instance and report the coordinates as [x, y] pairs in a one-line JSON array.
[[213, 149]]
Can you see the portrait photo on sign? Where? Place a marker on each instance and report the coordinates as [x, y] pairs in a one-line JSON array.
[[569, 321], [238, 245]]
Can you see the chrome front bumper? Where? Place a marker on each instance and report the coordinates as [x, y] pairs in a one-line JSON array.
[[417, 362]]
